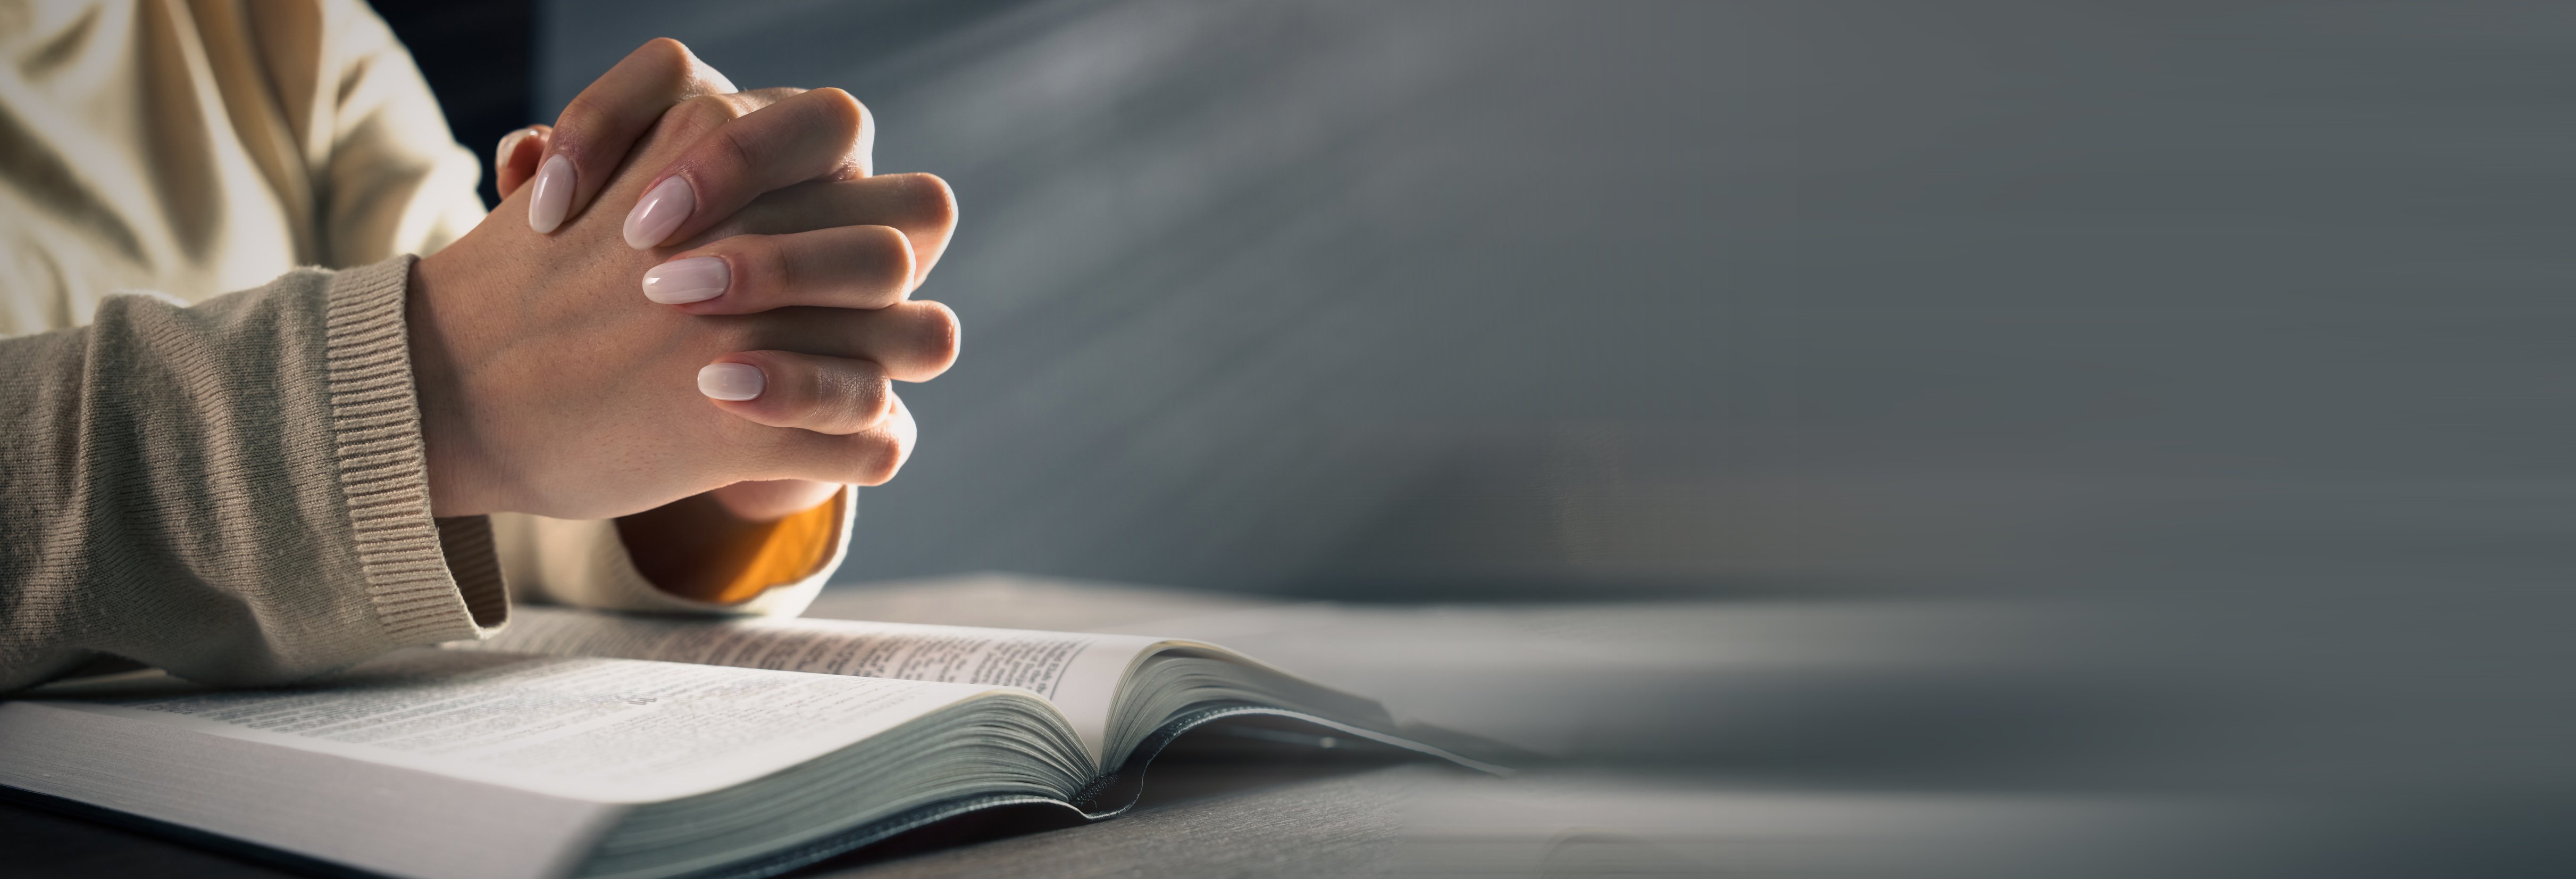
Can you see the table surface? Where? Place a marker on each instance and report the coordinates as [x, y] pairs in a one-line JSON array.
[[1627, 701], [1408, 819]]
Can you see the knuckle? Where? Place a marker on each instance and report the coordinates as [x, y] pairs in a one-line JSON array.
[[800, 392], [881, 454], [578, 119], [771, 271], [891, 252], [931, 199], [881, 402], [670, 67], [704, 112], [731, 151], [865, 401], [736, 103], [837, 108], [664, 51], [940, 335]]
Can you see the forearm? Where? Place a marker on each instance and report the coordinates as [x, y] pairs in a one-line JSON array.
[[235, 492]]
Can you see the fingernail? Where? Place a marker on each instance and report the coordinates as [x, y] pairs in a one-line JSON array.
[[509, 144], [731, 381], [660, 212], [546, 206], [680, 281]]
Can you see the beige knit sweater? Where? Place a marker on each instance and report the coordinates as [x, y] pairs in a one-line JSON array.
[[234, 489]]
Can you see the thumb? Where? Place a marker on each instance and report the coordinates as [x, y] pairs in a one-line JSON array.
[[515, 160]]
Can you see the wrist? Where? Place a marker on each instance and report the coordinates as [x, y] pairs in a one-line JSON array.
[[462, 481]]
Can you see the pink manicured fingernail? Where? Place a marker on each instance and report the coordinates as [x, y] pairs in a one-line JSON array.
[[731, 381], [553, 198], [660, 212], [680, 281]]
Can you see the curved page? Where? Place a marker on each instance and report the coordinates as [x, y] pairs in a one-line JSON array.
[[601, 730], [1078, 672], [1107, 797]]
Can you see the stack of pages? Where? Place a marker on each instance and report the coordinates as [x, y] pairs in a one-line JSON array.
[[593, 745]]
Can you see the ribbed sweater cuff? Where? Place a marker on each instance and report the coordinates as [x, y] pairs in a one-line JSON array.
[[428, 580]]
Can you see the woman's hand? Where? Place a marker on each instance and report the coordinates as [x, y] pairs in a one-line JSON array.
[[548, 388], [599, 128]]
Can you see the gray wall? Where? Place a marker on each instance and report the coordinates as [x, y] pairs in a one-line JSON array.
[[1511, 299], [2230, 339]]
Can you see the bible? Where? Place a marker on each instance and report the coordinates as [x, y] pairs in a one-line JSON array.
[[582, 744]]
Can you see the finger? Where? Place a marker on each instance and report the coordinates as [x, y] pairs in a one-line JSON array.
[[844, 267], [868, 457], [921, 205], [831, 395], [602, 123], [821, 134], [768, 500], [515, 160], [915, 341]]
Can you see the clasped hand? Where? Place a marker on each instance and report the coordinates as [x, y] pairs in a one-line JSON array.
[[710, 294]]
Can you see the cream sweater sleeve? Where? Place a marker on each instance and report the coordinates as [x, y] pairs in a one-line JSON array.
[[234, 492]]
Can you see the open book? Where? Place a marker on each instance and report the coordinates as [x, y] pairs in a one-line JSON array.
[[582, 744]]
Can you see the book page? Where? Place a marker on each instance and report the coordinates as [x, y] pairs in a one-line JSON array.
[[1080, 673], [605, 730]]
